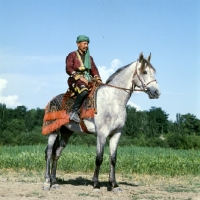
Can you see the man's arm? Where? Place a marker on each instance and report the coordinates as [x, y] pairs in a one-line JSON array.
[[70, 68]]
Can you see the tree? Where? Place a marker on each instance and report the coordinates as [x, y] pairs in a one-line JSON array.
[[190, 124], [130, 127], [178, 124], [2, 116], [38, 117], [20, 112], [158, 121]]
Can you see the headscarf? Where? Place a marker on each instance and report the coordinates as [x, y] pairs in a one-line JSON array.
[[83, 38]]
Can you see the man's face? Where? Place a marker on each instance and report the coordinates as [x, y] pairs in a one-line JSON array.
[[83, 46]]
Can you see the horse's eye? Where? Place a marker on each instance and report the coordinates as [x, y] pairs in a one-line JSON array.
[[144, 72]]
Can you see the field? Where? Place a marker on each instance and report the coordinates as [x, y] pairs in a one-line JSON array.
[[142, 173]]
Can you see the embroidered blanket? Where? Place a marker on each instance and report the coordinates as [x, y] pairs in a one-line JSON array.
[[58, 109]]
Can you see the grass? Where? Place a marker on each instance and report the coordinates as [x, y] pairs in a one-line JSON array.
[[130, 159]]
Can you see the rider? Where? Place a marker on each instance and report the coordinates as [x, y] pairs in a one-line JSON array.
[[81, 68]]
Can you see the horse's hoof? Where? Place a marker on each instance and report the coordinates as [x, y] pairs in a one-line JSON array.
[[117, 189], [55, 186], [46, 186], [96, 187]]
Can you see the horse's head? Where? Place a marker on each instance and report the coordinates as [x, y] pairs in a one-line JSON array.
[[144, 77]]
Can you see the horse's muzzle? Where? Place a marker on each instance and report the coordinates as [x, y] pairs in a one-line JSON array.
[[153, 93]]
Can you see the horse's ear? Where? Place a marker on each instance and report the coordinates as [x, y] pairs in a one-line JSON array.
[[141, 57], [149, 58]]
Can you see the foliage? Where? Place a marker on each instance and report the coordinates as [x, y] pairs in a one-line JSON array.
[[152, 123], [177, 141], [151, 128], [159, 119], [186, 124], [131, 159], [82, 139], [2, 116], [20, 126]]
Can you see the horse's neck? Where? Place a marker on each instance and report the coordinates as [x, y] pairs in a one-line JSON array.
[[123, 80]]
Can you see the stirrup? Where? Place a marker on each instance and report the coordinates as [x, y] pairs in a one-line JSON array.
[[74, 116]]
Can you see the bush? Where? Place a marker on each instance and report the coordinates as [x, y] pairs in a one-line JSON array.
[[177, 141], [82, 139], [157, 142]]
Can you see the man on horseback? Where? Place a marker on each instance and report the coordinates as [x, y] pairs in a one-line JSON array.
[[81, 69]]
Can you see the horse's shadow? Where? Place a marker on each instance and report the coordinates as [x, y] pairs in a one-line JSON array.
[[80, 181]]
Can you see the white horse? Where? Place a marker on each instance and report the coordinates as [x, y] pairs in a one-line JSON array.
[[111, 101]]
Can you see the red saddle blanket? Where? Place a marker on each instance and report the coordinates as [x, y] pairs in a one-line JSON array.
[[58, 109]]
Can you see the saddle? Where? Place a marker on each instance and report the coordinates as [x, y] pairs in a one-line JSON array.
[[58, 109], [88, 108]]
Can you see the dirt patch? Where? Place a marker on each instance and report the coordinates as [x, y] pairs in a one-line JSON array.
[[28, 185]]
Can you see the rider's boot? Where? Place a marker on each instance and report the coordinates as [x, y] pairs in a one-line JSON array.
[[74, 114]]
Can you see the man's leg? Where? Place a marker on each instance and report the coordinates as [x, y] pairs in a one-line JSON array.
[[77, 104]]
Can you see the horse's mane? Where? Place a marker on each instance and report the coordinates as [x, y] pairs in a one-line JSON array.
[[116, 73], [122, 68]]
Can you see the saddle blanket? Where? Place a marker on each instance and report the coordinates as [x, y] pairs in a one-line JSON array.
[[58, 109]]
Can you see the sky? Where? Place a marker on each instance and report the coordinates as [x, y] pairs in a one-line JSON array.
[[36, 36]]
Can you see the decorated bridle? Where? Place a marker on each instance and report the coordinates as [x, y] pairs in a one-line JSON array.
[[144, 85], [135, 74]]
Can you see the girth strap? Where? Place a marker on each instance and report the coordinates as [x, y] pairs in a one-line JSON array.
[[83, 126]]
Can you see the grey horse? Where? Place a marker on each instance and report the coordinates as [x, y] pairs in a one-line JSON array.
[[111, 101]]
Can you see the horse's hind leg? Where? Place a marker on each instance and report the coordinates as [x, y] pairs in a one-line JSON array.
[[65, 135], [48, 156]]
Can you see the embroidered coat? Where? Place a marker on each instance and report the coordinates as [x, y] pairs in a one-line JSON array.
[[74, 67]]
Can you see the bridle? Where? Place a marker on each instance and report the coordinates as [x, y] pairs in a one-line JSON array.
[[135, 74], [144, 85]]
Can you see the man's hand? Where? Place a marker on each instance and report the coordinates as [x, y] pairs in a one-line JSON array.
[[99, 81]]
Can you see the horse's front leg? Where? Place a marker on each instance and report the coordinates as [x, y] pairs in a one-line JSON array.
[[48, 155], [114, 139], [99, 159]]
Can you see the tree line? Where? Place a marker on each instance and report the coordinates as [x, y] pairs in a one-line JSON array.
[[153, 128], [21, 126]]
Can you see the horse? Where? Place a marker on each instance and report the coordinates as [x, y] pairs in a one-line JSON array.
[[111, 101]]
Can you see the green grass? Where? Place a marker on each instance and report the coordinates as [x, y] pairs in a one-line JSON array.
[[130, 159]]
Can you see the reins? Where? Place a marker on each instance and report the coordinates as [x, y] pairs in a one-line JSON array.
[[121, 87], [133, 89]]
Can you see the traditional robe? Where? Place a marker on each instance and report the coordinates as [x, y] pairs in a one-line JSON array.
[[75, 68]]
